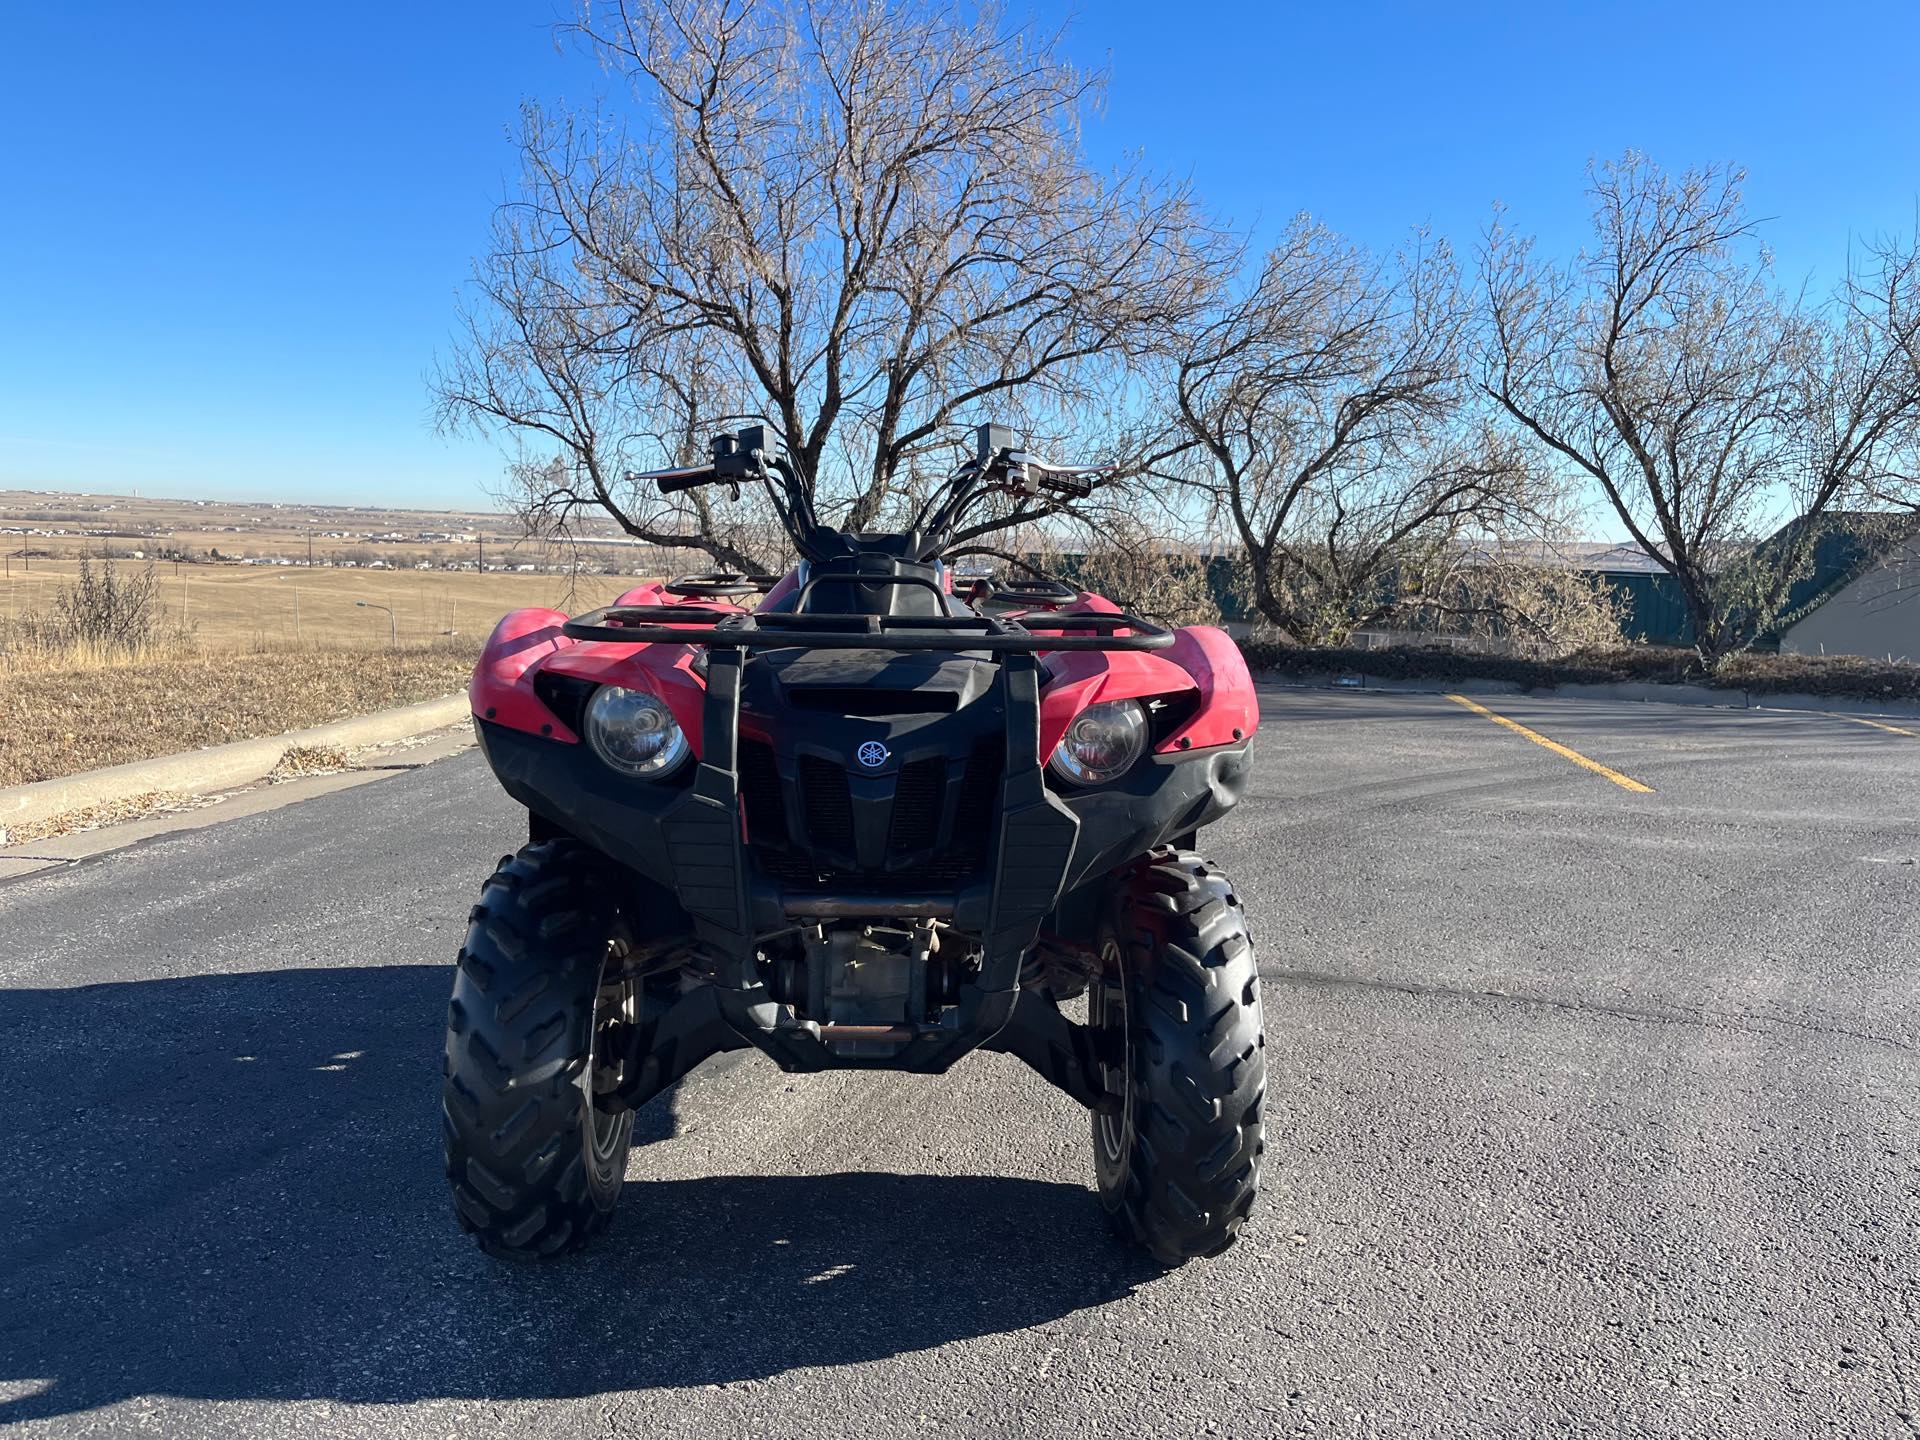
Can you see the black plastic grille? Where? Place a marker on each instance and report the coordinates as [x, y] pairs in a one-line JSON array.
[[918, 798], [795, 868], [829, 804], [974, 818], [814, 845], [760, 794]]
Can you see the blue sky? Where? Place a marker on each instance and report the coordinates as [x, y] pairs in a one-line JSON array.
[[231, 235]]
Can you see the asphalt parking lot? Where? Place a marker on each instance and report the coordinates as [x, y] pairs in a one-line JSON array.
[[1593, 1111]]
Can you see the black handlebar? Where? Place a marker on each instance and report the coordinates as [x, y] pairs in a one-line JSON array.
[[752, 456]]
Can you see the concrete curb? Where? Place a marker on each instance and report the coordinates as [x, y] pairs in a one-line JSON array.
[[1836, 705], [1629, 690], [219, 766]]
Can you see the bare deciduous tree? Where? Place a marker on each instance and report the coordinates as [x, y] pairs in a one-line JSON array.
[[1333, 408], [864, 220], [1707, 406]]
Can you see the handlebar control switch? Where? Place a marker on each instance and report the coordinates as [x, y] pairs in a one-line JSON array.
[[991, 440], [733, 455]]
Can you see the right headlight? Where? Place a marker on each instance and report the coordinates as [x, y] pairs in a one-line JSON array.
[[634, 732], [1103, 742]]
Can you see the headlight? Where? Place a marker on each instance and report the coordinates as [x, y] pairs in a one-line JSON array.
[[1102, 742], [635, 732]]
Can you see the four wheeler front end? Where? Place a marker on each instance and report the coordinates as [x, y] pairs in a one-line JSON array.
[[863, 824]]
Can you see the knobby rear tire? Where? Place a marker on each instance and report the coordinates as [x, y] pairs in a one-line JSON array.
[[535, 1167], [1179, 997]]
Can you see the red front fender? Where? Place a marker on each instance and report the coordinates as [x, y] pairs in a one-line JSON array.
[[499, 690], [1203, 662]]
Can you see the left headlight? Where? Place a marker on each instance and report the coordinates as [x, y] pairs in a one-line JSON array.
[[1103, 742], [635, 732]]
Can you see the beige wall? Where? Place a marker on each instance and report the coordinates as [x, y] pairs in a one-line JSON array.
[[1877, 615]]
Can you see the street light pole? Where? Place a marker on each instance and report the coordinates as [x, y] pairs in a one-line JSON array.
[[393, 635]]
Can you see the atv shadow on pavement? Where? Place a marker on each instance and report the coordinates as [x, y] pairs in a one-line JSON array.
[[217, 1187]]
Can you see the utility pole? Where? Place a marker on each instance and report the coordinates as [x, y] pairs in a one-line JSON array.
[[481, 541], [309, 547]]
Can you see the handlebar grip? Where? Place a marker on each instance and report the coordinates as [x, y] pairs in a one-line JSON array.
[[1070, 485], [684, 480]]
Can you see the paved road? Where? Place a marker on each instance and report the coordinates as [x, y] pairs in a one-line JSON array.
[[1593, 1112]]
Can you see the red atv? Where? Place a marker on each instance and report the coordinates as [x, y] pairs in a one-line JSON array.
[[861, 824]]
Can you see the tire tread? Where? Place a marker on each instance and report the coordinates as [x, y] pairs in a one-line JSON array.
[[1200, 1070], [524, 992]]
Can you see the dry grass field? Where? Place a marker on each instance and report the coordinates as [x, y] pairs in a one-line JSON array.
[[249, 651], [243, 650], [230, 607], [40, 523], [57, 722]]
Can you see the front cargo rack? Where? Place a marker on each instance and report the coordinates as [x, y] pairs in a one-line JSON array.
[[774, 630]]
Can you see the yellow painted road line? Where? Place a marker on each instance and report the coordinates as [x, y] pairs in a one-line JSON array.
[[1890, 729], [1625, 782]]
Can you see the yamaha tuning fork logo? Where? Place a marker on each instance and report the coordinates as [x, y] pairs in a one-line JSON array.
[[872, 754]]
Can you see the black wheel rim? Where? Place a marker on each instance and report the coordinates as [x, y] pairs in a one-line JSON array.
[[1107, 1015], [616, 1009]]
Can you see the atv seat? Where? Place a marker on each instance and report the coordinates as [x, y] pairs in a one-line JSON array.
[[872, 585]]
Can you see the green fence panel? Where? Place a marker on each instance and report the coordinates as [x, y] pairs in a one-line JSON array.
[[1655, 612]]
